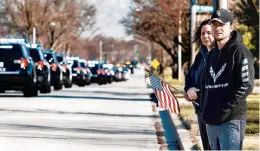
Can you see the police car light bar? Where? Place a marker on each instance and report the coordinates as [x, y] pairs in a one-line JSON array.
[[4, 40]]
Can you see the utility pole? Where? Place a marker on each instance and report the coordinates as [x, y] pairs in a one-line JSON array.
[[34, 35], [215, 4], [100, 51], [192, 28], [150, 47], [223, 4], [162, 64], [52, 30], [179, 49]]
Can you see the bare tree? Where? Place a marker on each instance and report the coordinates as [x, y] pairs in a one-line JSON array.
[[55, 20], [158, 21]]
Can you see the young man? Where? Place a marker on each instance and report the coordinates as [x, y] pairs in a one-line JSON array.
[[227, 80]]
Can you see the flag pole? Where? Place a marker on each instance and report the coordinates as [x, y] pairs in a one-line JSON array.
[[184, 94]]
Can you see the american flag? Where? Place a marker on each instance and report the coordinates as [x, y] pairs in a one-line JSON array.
[[167, 100]]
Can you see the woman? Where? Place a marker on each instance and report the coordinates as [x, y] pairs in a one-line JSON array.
[[204, 40]]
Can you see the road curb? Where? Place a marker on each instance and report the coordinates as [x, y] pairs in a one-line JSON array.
[[184, 137], [160, 133]]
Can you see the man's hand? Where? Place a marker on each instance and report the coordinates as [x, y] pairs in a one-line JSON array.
[[192, 93]]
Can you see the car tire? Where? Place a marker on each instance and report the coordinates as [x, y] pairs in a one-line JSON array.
[[46, 88], [2, 91], [68, 85], [30, 90], [82, 84], [58, 86]]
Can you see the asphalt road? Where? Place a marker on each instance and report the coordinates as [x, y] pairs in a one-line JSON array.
[[115, 116]]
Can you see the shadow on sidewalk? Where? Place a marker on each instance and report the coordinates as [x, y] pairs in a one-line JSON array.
[[93, 97], [73, 113], [106, 92]]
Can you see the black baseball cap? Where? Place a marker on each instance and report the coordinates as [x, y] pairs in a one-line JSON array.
[[222, 15]]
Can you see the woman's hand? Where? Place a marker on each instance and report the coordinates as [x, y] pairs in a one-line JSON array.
[[148, 82], [192, 93]]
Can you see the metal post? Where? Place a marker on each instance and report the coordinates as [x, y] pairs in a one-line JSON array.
[[52, 38], [52, 28], [68, 52], [34, 35], [179, 50], [153, 52], [215, 5], [192, 28], [136, 52], [150, 52], [100, 50], [223, 4], [162, 64]]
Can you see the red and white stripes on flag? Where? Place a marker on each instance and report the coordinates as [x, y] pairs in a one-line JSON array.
[[166, 98]]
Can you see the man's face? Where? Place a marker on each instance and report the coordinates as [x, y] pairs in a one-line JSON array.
[[221, 31]]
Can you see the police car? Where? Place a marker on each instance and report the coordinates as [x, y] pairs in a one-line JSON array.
[[42, 69], [17, 69], [56, 69], [78, 75], [66, 69]]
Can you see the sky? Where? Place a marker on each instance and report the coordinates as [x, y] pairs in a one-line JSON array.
[[109, 13]]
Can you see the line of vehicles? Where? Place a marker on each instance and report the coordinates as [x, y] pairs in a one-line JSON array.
[[31, 69]]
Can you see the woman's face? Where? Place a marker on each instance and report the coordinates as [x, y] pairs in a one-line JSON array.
[[206, 36]]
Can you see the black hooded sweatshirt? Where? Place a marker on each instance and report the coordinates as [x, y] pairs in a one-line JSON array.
[[228, 79]]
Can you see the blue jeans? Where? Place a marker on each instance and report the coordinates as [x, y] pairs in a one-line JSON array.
[[227, 136]]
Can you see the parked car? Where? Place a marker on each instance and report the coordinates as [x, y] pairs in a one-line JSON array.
[[109, 72], [42, 69], [66, 70], [17, 69], [123, 76], [78, 76], [86, 71], [98, 74], [56, 69], [127, 72], [118, 75]]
